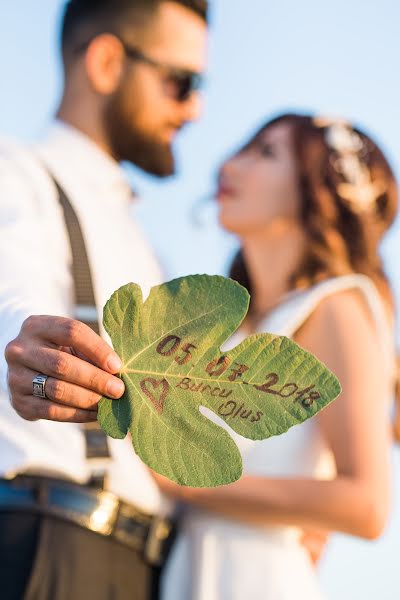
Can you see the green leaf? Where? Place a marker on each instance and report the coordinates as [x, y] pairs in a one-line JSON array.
[[173, 365]]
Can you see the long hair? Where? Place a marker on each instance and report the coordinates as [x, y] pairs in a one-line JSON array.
[[341, 238]]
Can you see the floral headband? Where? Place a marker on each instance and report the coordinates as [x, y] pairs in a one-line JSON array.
[[357, 190]]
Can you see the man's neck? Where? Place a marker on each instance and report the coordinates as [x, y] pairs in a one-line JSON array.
[[87, 121]]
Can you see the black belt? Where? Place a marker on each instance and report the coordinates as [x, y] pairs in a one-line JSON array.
[[96, 510]]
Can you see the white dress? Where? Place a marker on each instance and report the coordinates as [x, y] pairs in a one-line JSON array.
[[220, 559]]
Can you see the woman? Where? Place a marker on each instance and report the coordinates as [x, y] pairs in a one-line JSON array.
[[310, 201]]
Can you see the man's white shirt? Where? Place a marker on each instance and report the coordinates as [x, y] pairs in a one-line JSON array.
[[35, 279]]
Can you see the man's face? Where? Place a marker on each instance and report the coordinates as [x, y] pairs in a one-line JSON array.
[[144, 114]]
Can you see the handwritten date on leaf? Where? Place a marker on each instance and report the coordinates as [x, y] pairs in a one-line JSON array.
[[173, 365]]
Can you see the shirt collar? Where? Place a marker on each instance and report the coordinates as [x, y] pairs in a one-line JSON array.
[[64, 146]]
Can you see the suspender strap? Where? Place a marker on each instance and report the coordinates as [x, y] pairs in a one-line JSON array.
[[97, 449], [85, 302]]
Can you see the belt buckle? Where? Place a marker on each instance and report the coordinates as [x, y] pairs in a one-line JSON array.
[[104, 516], [159, 531]]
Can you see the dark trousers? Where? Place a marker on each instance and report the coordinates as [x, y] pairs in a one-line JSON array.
[[43, 558]]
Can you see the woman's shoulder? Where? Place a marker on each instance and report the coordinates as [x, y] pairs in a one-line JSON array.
[[342, 308], [334, 289], [337, 299], [347, 321]]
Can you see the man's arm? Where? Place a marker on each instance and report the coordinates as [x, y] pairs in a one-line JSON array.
[[34, 281]]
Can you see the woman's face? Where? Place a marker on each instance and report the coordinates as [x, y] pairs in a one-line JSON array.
[[259, 185]]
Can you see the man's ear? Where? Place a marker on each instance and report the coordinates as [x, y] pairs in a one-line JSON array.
[[104, 62]]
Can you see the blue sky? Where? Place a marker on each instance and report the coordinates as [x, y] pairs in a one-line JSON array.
[[336, 58]]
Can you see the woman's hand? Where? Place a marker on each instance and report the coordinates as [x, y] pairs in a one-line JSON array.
[[314, 540]]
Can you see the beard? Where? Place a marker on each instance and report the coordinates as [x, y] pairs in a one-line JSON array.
[[129, 143]]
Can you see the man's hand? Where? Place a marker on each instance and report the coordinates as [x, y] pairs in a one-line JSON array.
[[315, 542], [78, 363]]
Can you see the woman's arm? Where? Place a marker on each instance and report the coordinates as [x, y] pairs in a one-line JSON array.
[[341, 334]]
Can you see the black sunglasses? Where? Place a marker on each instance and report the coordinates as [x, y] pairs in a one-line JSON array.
[[181, 82]]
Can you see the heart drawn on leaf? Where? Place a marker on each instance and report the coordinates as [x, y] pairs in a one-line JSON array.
[[158, 402]]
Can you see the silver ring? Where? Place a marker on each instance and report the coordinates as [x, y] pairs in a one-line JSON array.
[[39, 386]]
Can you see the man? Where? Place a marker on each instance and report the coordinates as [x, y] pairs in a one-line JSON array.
[[131, 75], [132, 72]]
